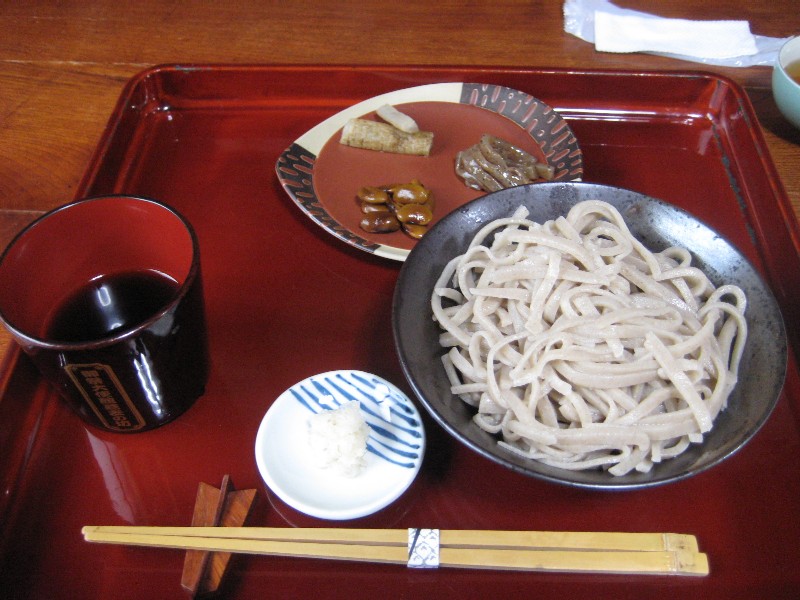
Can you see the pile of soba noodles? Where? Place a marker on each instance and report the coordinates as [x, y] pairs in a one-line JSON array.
[[581, 348]]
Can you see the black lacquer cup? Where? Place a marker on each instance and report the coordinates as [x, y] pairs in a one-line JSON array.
[[105, 295]]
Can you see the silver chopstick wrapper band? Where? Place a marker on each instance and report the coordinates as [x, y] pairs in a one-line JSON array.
[[423, 548]]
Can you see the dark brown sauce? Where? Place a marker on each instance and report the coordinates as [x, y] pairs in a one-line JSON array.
[[111, 304], [137, 382]]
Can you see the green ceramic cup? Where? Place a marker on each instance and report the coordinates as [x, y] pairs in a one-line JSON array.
[[785, 89]]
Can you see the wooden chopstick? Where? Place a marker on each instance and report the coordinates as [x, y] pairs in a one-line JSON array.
[[388, 547], [455, 538]]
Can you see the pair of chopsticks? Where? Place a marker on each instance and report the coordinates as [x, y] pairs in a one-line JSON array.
[[587, 552]]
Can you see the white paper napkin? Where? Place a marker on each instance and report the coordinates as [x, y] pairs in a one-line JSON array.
[[614, 29], [701, 39]]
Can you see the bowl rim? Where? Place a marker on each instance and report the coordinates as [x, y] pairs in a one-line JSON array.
[[630, 481]]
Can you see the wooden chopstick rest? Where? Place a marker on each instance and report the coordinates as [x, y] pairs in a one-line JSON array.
[[207, 511], [204, 570]]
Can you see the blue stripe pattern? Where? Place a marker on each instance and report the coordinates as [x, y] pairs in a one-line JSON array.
[[398, 441]]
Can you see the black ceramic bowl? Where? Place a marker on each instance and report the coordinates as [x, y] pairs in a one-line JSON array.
[[656, 224]]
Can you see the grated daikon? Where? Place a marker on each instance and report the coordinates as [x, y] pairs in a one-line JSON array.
[[339, 439]]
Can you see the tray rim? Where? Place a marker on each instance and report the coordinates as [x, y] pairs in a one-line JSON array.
[[9, 362]]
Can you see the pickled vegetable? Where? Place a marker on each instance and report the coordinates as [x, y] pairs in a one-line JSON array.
[[394, 117], [494, 164], [374, 135]]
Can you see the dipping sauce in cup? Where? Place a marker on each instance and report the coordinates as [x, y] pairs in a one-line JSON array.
[[793, 71], [105, 295], [786, 81]]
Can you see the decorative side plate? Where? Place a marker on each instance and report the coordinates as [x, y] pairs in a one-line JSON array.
[[323, 176], [395, 447]]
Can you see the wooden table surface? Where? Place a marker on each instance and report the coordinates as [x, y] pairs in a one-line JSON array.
[[63, 64]]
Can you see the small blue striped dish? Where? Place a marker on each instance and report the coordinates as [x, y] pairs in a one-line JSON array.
[[395, 447]]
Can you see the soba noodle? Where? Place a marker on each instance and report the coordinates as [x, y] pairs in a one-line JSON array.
[[582, 349]]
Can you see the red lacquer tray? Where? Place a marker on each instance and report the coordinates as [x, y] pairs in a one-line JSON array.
[[287, 300]]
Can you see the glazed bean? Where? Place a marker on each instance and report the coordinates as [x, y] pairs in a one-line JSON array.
[[410, 193], [416, 214], [388, 207], [415, 231], [369, 209], [380, 222], [373, 195]]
